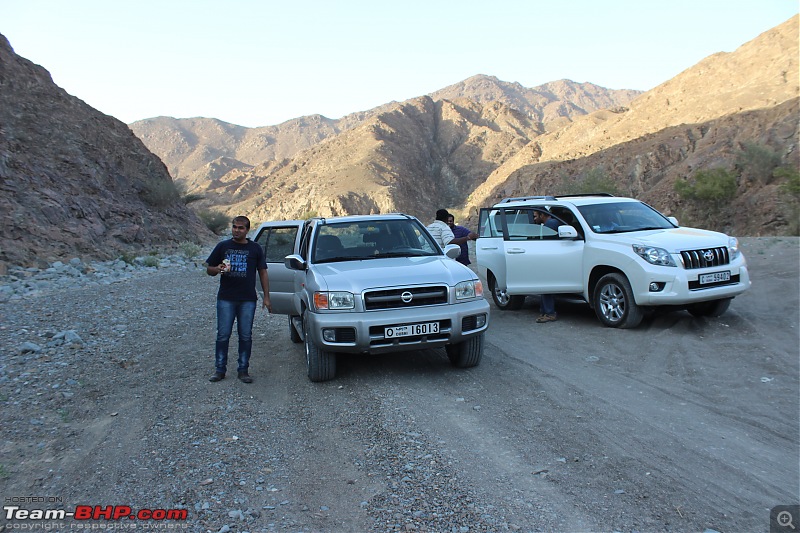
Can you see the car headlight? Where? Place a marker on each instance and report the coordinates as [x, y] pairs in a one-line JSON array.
[[654, 256], [733, 247], [334, 300], [469, 289]]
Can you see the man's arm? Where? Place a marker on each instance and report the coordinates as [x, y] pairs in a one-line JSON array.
[[262, 274]]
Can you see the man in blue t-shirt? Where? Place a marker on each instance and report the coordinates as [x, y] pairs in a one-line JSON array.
[[237, 259], [459, 232]]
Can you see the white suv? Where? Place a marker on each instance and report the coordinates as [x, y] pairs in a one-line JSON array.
[[619, 254]]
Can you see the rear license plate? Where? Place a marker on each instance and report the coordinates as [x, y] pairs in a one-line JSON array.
[[411, 329], [714, 277]]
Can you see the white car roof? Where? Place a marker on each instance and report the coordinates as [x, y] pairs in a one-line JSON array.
[[570, 200]]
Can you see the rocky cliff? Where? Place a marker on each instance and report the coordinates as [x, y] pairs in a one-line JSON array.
[[76, 182]]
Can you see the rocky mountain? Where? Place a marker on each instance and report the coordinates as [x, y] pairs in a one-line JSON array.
[[471, 143], [76, 182], [704, 118], [200, 152]]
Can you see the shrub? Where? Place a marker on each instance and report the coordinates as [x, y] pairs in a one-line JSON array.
[[189, 249], [160, 193], [594, 181], [151, 261], [791, 185], [757, 161], [216, 221], [715, 186]]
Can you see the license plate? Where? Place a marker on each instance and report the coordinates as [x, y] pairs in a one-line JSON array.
[[714, 277], [411, 329]]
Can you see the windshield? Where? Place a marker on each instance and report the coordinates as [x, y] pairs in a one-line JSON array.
[[375, 239], [623, 217]]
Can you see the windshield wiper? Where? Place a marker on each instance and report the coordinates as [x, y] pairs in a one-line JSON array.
[[339, 259]]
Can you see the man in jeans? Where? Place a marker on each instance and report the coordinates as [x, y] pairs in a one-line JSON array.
[[237, 260]]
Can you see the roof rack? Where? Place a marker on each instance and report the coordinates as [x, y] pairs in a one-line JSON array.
[[526, 198], [605, 194]]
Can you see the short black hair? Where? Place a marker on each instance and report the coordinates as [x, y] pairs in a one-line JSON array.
[[244, 220], [442, 215]]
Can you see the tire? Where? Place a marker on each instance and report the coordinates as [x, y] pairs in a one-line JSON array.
[[502, 299], [321, 364], [467, 353], [614, 304], [293, 334], [712, 308]]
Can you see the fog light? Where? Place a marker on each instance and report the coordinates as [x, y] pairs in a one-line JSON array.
[[329, 335], [656, 286], [480, 321]]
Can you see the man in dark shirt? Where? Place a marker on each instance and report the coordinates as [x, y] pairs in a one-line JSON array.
[[459, 232], [547, 306], [237, 259]]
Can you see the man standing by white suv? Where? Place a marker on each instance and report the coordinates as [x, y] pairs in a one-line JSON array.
[[547, 307]]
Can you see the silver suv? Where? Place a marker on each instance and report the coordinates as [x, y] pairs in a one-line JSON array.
[[619, 254], [372, 284]]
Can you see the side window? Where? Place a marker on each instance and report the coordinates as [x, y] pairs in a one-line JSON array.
[[523, 225], [489, 223], [277, 243], [568, 217]]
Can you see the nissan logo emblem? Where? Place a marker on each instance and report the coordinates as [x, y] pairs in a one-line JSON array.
[[708, 255], [406, 297]]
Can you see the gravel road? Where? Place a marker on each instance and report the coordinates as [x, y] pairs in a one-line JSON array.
[[682, 424]]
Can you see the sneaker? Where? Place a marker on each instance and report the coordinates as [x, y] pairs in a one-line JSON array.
[[546, 318], [244, 377], [218, 376]]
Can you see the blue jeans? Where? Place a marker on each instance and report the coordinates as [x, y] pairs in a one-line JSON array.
[[548, 304], [243, 313]]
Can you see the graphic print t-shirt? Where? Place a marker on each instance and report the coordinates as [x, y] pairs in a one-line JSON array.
[[239, 283]]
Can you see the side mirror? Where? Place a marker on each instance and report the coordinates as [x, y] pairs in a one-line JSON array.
[[452, 251], [673, 220], [294, 262], [567, 232]]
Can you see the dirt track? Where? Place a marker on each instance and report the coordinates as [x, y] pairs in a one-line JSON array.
[[682, 424]]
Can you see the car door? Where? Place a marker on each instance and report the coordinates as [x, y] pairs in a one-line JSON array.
[[536, 260], [278, 240]]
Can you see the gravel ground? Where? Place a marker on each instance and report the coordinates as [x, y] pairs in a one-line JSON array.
[[106, 402], [681, 425]]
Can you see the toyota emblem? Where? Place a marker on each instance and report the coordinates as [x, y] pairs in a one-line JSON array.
[[406, 297], [708, 255]]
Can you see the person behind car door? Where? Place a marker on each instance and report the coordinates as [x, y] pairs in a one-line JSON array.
[[547, 306]]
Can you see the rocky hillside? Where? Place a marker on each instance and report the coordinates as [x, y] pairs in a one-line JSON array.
[[704, 118], [473, 142], [76, 182], [219, 160]]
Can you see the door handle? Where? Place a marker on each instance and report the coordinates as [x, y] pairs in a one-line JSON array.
[[515, 251], [488, 247]]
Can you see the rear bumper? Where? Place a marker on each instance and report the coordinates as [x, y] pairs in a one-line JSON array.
[[365, 331]]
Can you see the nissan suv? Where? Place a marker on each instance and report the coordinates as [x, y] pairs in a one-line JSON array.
[[619, 254]]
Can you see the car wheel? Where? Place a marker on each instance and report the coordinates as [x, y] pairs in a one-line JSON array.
[[467, 353], [614, 304], [293, 334], [502, 299], [712, 308], [321, 364]]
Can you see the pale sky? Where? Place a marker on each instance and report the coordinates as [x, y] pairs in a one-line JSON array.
[[262, 62]]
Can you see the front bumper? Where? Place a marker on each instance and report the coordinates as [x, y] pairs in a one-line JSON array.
[[364, 332], [681, 286]]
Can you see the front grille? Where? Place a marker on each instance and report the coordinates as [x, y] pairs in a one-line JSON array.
[[707, 257], [393, 298]]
